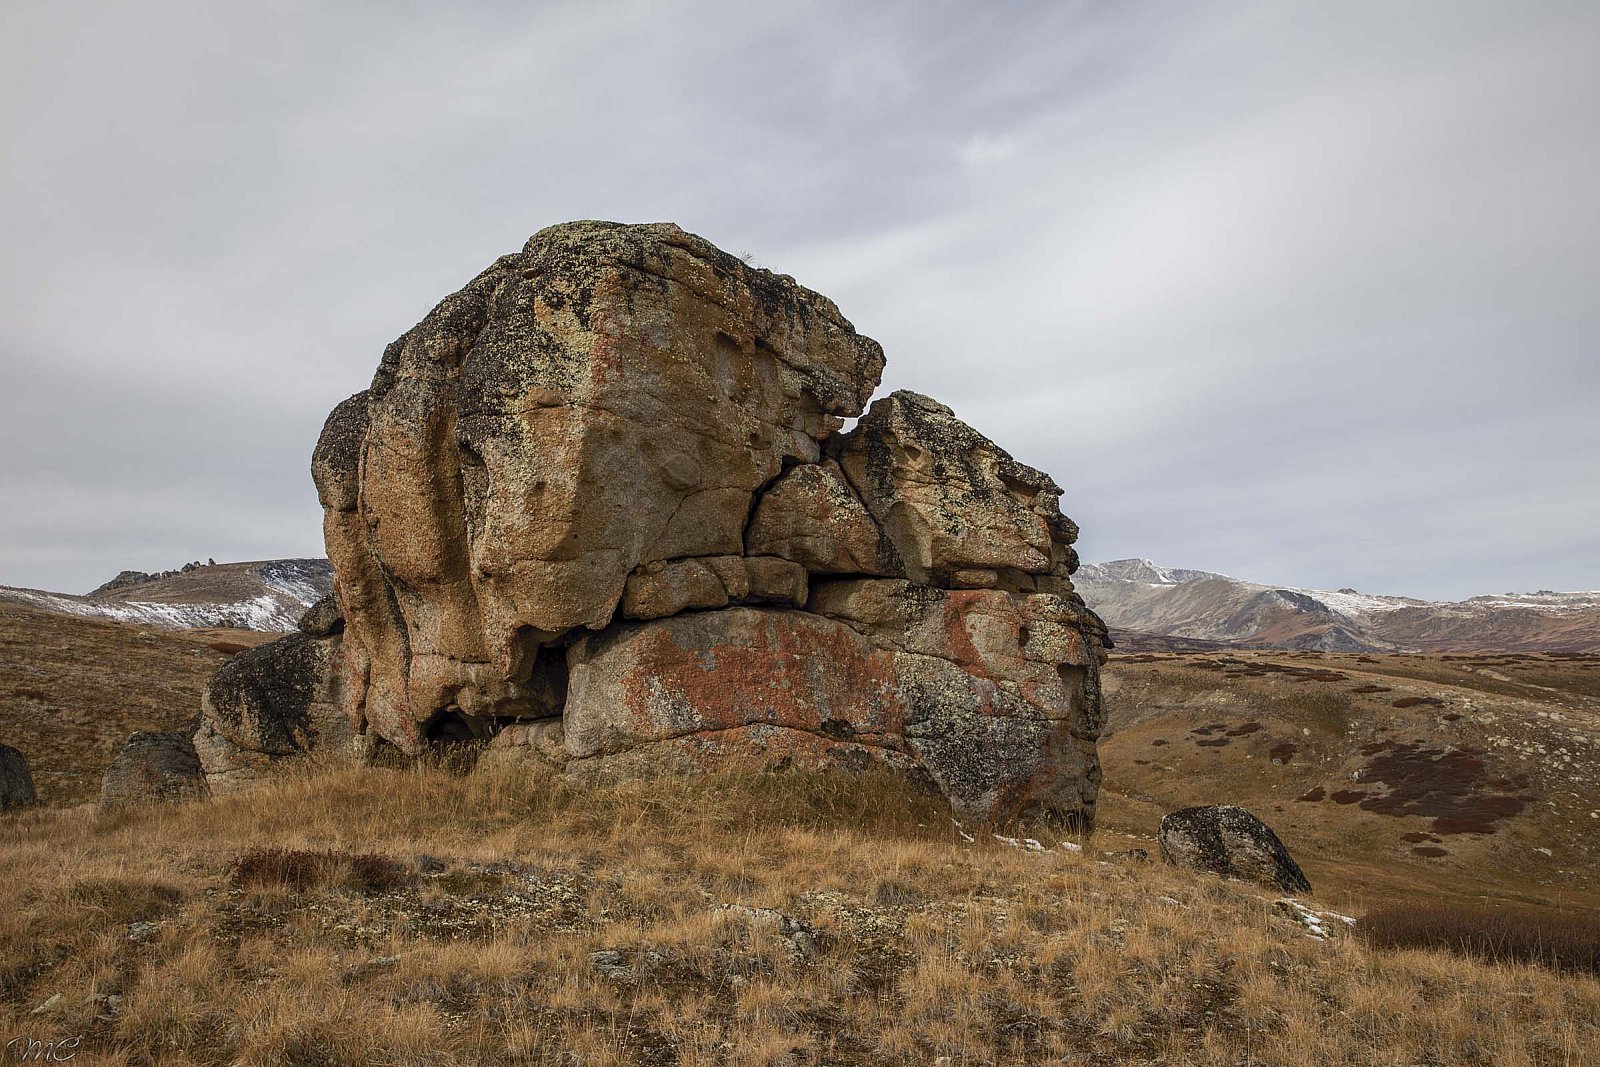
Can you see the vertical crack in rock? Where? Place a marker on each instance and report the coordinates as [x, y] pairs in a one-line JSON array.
[[595, 510]]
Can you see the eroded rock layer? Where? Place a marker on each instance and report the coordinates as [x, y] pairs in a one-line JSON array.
[[596, 510]]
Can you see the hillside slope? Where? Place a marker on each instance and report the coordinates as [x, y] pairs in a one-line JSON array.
[[73, 688], [1460, 776], [423, 917], [1139, 596], [267, 595]]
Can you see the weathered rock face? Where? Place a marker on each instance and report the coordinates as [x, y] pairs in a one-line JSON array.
[[1229, 841], [153, 768], [275, 702], [596, 506], [16, 784]]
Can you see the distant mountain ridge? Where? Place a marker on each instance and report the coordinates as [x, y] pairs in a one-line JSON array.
[[1147, 599], [268, 595]]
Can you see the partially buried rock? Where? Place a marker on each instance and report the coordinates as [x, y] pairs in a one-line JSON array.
[[273, 702], [16, 784], [1229, 841], [153, 768]]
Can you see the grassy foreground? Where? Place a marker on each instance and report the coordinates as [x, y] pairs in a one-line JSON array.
[[421, 917]]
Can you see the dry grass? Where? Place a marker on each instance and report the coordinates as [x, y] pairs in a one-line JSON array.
[[418, 917], [1495, 933], [72, 690]]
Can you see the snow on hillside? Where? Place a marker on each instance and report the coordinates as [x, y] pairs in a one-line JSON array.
[[1346, 602], [264, 612], [1142, 570], [269, 596]]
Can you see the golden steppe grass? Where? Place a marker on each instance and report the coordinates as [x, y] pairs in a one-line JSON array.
[[422, 916]]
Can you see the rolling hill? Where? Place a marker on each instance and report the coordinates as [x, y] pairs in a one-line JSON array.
[[265, 595]]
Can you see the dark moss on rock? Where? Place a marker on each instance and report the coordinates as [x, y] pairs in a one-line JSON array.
[[1226, 840]]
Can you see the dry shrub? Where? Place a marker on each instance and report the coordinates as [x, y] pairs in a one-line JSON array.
[[302, 869], [1498, 934]]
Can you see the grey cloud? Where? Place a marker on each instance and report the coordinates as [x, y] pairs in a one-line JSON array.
[[1299, 292]]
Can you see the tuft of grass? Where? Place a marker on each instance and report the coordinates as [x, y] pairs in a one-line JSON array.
[[304, 869], [1498, 934]]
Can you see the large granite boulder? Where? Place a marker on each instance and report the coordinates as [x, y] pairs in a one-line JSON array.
[[153, 767], [1229, 841], [610, 396], [596, 511], [16, 784]]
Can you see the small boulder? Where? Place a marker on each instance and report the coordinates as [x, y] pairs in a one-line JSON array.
[[323, 619], [153, 768], [274, 702], [1229, 841], [16, 784]]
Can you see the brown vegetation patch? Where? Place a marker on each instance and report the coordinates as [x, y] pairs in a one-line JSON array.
[[1432, 851], [1416, 702], [303, 869], [1496, 933], [1283, 752], [1244, 728], [1368, 689], [1215, 742], [1451, 786], [1313, 794]]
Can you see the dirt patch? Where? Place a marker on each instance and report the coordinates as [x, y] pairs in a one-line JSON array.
[[1313, 794]]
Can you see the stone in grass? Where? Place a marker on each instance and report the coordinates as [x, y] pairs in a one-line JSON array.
[[1229, 841], [16, 784], [153, 768]]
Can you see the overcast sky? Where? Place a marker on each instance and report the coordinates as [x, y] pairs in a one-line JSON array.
[[1305, 294]]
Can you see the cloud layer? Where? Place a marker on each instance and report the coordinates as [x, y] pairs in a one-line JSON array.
[[1300, 293]]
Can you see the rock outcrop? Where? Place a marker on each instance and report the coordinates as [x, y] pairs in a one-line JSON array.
[[153, 767], [16, 784], [1229, 841], [279, 701], [597, 507]]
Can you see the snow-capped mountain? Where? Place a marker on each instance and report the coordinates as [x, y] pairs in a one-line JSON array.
[[262, 595], [1139, 595]]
